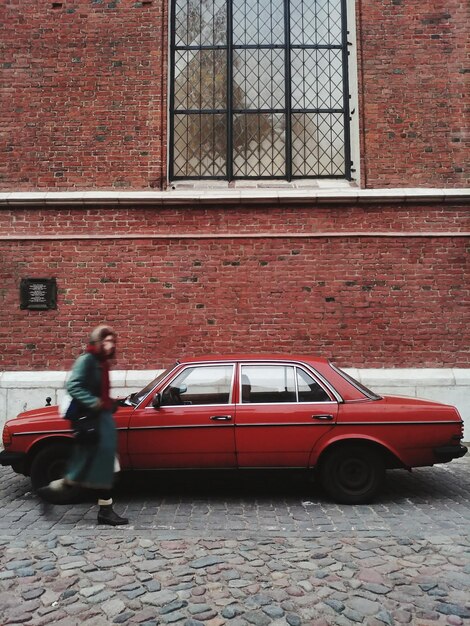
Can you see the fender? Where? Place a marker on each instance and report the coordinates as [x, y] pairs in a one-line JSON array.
[[66, 436], [33, 441], [43, 441], [332, 438]]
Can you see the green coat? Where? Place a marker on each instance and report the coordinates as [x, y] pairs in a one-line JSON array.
[[92, 465], [84, 383]]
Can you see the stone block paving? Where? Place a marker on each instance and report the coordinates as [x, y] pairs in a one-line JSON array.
[[218, 550]]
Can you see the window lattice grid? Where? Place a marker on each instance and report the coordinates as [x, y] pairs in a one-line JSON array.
[[259, 89], [259, 145], [200, 146]]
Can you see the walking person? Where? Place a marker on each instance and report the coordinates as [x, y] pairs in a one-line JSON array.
[[93, 462]]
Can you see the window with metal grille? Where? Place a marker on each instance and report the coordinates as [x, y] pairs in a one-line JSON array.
[[259, 89]]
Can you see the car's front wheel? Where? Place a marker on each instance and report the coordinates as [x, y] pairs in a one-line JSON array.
[[352, 474], [49, 464]]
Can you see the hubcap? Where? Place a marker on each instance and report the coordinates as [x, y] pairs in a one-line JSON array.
[[354, 474]]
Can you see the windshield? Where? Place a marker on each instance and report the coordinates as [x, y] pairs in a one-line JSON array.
[[367, 392], [136, 398]]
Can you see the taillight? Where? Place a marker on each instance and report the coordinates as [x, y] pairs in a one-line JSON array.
[[6, 437]]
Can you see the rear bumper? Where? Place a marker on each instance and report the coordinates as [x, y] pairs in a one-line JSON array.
[[447, 453], [12, 458]]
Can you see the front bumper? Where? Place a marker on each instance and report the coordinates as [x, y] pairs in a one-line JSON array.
[[444, 454], [11, 458]]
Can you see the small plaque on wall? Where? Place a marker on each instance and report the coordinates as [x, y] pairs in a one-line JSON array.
[[38, 293]]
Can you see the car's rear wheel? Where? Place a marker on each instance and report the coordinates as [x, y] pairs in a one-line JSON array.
[[49, 464], [352, 474]]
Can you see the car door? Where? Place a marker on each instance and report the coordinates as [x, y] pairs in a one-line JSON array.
[[282, 412], [192, 427]]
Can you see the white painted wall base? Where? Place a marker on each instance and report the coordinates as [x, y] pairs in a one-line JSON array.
[[21, 391]]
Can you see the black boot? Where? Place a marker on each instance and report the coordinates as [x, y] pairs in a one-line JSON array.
[[106, 515], [60, 494]]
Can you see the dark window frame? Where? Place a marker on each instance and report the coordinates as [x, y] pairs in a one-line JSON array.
[[289, 111]]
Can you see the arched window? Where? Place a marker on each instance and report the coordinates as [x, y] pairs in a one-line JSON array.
[[259, 89]]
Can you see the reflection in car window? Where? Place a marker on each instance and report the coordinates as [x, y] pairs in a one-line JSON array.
[[309, 389], [136, 398], [200, 385], [268, 383], [362, 388]]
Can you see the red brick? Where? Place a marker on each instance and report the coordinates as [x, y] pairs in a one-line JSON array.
[[362, 300], [85, 94]]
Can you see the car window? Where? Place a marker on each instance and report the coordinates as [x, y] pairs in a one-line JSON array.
[[362, 388], [200, 385], [135, 398], [267, 383], [309, 389]]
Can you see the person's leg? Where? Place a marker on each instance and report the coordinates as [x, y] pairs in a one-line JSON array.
[[59, 492], [106, 514], [105, 497]]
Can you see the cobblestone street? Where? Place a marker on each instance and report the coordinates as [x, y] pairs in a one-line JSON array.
[[241, 550]]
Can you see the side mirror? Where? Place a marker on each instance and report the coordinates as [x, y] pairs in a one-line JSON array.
[[157, 401]]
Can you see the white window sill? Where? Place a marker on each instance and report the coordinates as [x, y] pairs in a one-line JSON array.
[[344, 194]]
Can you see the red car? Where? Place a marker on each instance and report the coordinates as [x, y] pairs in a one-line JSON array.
[[255, 411]]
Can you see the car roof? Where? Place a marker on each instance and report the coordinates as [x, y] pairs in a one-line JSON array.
[[346, 389], [255, 357]]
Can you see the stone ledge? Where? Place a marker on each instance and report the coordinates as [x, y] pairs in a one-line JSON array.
[[239, 196], [56, 379], [410, 377], [32, 380], [393, 377]]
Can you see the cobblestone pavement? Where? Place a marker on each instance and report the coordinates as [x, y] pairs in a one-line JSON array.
[[246, 550]]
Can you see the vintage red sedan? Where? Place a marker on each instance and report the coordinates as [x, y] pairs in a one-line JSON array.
[[255, 411]]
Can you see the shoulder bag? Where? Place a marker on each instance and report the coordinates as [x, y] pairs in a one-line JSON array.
[[84, 422]]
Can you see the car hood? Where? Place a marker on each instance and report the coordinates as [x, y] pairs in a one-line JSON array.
[[42, 413]]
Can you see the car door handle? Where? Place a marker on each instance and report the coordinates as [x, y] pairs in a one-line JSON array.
[[221, 418], [326, 418]]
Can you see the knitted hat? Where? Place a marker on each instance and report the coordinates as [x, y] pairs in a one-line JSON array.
[[100, 332]]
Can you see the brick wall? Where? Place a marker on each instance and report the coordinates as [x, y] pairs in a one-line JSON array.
[[413, 74], [84, 105], [259, 278], [84, 94]]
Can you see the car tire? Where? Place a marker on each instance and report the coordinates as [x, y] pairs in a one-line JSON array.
[[49, 464], [352, 474]]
